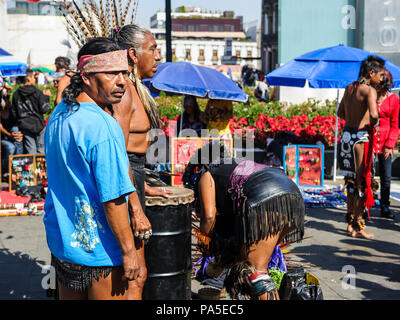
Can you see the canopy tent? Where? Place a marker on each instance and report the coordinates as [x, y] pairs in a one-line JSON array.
[[333, 67], [10, 66], [44, 69]]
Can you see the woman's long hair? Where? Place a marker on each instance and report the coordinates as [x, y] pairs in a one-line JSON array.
[[387, 81], [196, 108], [92, 47], [133, 36]]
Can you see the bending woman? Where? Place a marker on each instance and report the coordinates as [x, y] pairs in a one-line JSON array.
[[246, 209]]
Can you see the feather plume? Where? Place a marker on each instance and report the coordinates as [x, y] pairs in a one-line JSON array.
[[133, 14], [91, 18], [82, 17], [96, 19]]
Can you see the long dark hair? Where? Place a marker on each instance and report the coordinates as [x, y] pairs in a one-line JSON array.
[[387, 81], [92, 47], [196, 109]]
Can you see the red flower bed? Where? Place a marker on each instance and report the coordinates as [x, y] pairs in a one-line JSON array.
[[311, 130]]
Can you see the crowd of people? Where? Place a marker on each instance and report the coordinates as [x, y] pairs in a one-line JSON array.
[[96, 141], [22, 118]]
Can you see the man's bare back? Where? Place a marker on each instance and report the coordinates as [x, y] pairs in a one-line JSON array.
[[358, 106]]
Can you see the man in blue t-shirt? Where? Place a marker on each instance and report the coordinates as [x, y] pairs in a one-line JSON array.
[[87, 221]]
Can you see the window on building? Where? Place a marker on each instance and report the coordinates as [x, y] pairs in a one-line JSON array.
[[173, 54], [33, 8], [249, 54], [215, 55], [188, 54], [238, 53], [229, 28], [274, 22], [201, 54]]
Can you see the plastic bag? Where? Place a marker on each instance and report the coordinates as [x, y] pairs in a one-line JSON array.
[[294, 286]]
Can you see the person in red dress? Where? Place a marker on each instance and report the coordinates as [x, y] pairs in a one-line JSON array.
[[386, 138]]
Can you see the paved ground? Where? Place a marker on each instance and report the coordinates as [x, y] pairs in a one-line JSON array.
[[376, 262]]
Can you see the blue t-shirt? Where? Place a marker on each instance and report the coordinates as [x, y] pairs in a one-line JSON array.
[[87, 165]]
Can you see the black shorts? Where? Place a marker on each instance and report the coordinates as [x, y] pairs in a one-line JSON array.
[[137, 162]]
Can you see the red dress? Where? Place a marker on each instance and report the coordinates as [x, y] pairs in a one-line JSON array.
[[388, 123]]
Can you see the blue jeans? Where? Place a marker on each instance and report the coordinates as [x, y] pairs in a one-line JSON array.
[[385, 173], [34, 144], [10, 148]]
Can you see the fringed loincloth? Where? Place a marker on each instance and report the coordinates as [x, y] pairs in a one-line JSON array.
[[265, 201], [77, 277], [347, 162], [347, 157]]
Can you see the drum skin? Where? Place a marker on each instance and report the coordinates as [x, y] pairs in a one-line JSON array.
[[168, 252]]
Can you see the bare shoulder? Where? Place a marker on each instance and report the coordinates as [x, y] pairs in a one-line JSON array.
[[366, 90], [64, 81], [125, 107]]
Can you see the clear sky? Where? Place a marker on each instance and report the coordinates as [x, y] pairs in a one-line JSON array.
[[249, 9]]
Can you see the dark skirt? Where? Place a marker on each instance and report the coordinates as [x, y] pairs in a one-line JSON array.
[[268, 202], [269, 193], [77, 277]]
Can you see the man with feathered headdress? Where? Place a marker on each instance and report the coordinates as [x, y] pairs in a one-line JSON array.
[[137, 113]]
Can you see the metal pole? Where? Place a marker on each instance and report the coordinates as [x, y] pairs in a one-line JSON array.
[[336, 136], [168, 31]]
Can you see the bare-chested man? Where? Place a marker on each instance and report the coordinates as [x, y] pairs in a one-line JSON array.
[[137, 114], [359, 110]]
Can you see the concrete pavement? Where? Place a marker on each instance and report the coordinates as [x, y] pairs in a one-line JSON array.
[[329, 254]]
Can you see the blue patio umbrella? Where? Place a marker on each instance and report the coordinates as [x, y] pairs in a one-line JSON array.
[[190, 79], [333, 67], [10, 66]]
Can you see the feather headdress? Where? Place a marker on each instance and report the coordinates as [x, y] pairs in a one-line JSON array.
[[96, 18]]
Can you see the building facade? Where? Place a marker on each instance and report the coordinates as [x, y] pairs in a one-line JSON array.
[[206, 38], [269, 35], [3, 24], [36, 32]]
